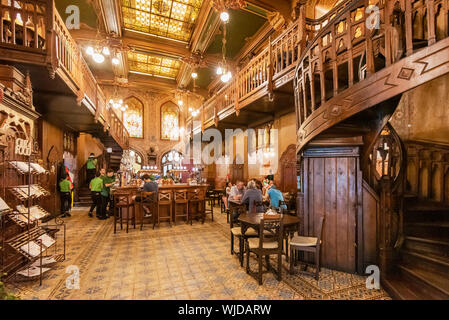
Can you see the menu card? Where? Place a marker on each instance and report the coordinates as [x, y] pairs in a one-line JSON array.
[[3, 205], [32, 248], [47, 241], [33, 271], [38, 168]]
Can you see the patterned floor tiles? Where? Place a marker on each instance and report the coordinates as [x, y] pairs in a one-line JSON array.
[[177, 262]]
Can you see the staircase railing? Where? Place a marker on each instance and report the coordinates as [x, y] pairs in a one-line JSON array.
[[359, 42], [47, 42], [271, 68]]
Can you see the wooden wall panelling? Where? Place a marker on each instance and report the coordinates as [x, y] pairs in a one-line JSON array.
[[332, 178]]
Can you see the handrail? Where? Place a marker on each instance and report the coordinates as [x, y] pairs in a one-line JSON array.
[[52, 45], [277, 59], [346, 53]]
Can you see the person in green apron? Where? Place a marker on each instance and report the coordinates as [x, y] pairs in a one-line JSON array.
[[96, 185], [108, 182], [65, 189], [91, 167]]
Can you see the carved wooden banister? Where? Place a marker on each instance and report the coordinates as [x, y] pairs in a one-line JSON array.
[[272, 67], [351, 65]]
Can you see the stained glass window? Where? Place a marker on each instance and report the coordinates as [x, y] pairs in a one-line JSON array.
[[171, 160], [164, 18], [133, 118], [169, 121], [153, 64]]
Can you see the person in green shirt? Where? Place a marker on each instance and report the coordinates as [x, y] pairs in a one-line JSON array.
[[65, 188], [91, 167], [96, 185], [108, 182]]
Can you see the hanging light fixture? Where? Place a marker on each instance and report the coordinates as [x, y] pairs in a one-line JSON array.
[[116, 103], [115, 61], [224, 16], [98, 57]]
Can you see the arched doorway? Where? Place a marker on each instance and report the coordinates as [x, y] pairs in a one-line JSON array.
[[170, 160]]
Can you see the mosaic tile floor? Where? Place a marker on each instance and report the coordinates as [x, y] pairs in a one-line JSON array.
[[179, 262]]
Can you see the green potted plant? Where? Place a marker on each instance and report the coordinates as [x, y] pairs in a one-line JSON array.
[[4, 295]]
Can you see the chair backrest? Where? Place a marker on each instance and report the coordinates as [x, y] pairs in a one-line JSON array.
[[164, 195], [181, 195], [320, 230], [148, 196], [236, 211], [257, 204], [275, 227], [122, 199]]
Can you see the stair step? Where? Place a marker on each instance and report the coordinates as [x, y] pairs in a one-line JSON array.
[[426, 229], [400, 289], [431, 285], [426, 262], [430, 245]]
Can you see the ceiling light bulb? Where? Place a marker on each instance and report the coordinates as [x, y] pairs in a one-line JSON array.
[[180, 102], [194, 75], [106, 51], [98, 57], [120, 101], [123, 109], [115, 61], [90, 50], [219, 71], [190, 109], [111, 101], [224, 16]]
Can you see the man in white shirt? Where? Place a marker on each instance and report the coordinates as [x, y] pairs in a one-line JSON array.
[[237, 191]]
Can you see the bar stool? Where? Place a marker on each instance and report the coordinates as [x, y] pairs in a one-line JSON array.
[[123, 201], [164, 200], [149, 199], [181, 200], [197, 205]]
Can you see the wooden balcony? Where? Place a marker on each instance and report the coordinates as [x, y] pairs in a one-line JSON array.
[[33, 35], [272, 69]]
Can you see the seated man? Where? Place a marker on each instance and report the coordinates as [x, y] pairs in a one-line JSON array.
[[275, 196], [149, 186], [237, 191], [252, 195]]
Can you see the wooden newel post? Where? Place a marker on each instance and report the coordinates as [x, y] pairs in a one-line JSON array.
[[385, 238]]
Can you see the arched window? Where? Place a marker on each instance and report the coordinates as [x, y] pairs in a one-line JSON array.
[[170, 160], [133, 118], [169, 121], [136, 160]]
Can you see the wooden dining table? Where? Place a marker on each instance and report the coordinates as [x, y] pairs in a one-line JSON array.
[[291, 224]]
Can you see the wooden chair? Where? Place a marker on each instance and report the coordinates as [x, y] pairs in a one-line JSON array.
[[236, 232], [280, 204], [181, 200], [266, 245], [257, 204], [164, 199], [197, 205], [307, 244], [123, 201], [148, 199], [204, 209]]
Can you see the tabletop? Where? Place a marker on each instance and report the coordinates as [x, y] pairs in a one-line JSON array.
[[253, 219]]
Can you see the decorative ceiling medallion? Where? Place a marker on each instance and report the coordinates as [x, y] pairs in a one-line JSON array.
[[161, 6], [195, 61]]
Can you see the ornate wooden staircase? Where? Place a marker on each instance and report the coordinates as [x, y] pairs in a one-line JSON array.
[[348, 71]]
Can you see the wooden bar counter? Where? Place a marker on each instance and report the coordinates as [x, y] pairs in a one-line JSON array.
[[134, 190]]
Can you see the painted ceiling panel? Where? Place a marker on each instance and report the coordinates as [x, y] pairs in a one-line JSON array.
[[165, 18], [152, 64]]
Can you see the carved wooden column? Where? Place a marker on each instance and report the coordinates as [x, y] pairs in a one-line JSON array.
[[431, 22], [386, 256], [408, 28]]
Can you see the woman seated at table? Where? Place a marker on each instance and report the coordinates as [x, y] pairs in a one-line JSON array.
[[226, 195], [251, 195]]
